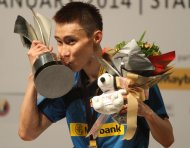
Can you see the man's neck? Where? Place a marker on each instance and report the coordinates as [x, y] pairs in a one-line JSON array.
[[92, 70], [93, 67]]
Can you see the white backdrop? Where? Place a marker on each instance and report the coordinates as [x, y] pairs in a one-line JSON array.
[[167, 24]]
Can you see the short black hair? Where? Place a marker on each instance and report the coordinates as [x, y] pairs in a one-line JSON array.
[[86, 14]]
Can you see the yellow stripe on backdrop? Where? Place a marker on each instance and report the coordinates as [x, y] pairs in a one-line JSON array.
[[178, 80]]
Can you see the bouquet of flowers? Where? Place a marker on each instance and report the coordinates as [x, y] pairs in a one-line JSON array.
[[138, 65], [140, 57]]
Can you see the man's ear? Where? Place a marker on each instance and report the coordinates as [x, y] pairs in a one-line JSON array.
[[97, 36]]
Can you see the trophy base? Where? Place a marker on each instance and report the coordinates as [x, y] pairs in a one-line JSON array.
[[52, 79]]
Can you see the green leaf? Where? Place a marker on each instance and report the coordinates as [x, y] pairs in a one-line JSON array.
[[142, 36], [120, 46]]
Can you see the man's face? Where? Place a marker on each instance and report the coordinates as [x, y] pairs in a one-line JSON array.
[[75, 48]]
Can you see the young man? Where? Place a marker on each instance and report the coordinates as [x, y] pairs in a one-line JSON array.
[[78, 34]]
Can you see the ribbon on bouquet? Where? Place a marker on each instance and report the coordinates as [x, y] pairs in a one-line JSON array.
[[134, 94], [137, 87]]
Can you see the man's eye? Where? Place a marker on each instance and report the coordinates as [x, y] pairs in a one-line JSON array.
[[70, 41], [59, 42]]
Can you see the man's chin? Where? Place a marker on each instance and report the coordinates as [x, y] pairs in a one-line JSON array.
[[74, 69]]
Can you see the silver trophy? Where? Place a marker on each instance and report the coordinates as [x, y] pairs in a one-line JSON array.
[[52, 78]]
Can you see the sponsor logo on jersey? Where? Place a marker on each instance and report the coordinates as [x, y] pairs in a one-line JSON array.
[[107, 129]]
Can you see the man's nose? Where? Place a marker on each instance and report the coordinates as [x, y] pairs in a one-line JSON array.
[[64, 52]]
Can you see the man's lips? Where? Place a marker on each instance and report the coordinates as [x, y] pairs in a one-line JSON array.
[[66, 63]]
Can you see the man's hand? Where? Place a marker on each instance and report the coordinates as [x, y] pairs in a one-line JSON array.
[[37, 48], [143, 109], [160, 129]]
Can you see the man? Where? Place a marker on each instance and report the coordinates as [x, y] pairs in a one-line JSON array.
[[78, 34]]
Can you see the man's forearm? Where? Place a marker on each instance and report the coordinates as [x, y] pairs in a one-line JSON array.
[[29, 115], [161, 129]]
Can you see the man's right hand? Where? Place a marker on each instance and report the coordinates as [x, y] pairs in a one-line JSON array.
[[37, 48]]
